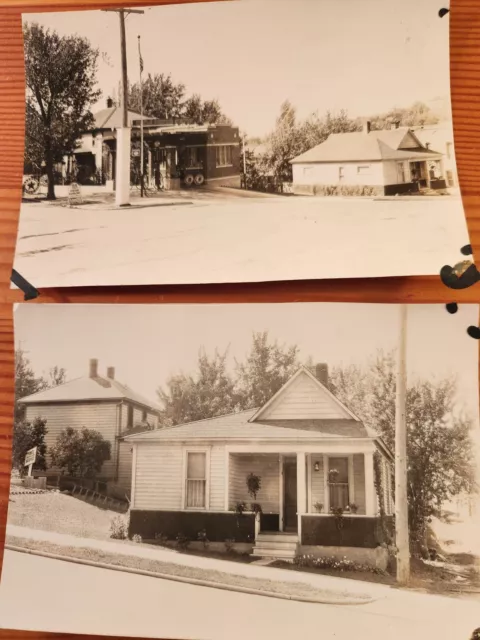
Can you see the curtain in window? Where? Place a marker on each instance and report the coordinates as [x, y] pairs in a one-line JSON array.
[[196, 480], [338, 483]]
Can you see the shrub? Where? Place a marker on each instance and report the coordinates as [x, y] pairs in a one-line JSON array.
[[202, 537], [318, 506], [331, 562], [119, 527], [137, 538], [256, 508], [229, 542], [161, 537], [183, 542]]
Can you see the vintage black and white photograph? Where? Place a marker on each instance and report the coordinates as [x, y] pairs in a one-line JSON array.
[[252, 140], [232, 471]]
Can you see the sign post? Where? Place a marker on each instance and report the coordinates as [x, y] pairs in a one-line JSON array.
[[30, 458]]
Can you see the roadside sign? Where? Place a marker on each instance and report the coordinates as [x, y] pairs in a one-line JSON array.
[[74, 195], [30, 458]]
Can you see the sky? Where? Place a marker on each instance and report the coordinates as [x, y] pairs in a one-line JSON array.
[[365, 56], [148, 343]]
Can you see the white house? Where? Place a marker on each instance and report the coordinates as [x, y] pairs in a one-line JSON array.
[[318, 467], [386, 162], [101, 403], [440, 137]]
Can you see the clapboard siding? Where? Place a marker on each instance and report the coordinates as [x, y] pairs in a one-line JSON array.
[[101, 416], [158, 476], [304, 399], [359, 482], [317, 482], [217, 478], [267, 467], [138, 414], [125, 456]]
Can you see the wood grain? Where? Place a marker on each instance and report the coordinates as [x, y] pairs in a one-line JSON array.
[[464, 20]]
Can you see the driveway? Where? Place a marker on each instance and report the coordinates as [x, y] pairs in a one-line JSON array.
[[65, 597], [238, 239]]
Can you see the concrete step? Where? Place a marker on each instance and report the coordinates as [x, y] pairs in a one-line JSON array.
[[274, 553], [267, 544], [278, 537]]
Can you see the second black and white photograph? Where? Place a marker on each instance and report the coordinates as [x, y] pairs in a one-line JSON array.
[[243, 141], [244, 470]]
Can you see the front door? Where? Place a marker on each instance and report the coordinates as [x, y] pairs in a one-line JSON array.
[[290, 521]]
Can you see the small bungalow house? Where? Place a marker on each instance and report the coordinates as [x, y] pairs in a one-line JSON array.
[[101, 403], [318, 467], [386, 162]]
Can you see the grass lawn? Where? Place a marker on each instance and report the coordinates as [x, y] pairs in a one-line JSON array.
[[54, 511], [292, 589]]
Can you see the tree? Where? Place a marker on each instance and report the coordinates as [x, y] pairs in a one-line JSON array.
[[60, 76], [201, 112], [283, 143], [27, 435], [56, 377], [208, 392], [417, 114], [80, 452], [162, 97], [26, 383], [439, 448], [267, 367]]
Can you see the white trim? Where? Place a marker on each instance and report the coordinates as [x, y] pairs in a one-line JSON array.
[[206, 451], [370, 493], [134, 476], [348, 446], [227, 480], [289, 382], [301, 489], [351, 480], [282, 493], [309, 483], [326, 492]]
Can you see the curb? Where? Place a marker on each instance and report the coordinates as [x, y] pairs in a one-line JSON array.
[[195, 581]]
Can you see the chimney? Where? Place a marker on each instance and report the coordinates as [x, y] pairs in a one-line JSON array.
[[93, 368], [111, 373], [367, 125], [321, 373], [396, 124], [109, 103]]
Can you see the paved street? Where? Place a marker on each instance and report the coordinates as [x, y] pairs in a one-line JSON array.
[[235, 239], [50, 595]]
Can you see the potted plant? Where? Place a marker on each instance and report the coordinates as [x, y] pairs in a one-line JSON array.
[[318, 506], [332, 475], [254, 484], [353, 507]]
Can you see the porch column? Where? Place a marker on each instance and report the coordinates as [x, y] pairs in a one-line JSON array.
[[301, 490], [370, 497]]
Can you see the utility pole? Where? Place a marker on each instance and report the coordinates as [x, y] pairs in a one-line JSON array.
[[122, 170], [141, 120], [244, 163], [401, 466]]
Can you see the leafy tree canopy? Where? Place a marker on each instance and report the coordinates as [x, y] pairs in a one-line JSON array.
[[27, 435], [80, 452], [60, 89]]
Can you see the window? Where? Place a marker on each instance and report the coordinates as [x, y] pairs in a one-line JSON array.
[[144, 416], [341, 173], [449, 150], [129, 416], [363, 170], [196, 480], [224, 155], [401, 172], [193, 158], [339, 492]]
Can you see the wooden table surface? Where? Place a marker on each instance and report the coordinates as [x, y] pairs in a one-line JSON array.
[[464, 18]]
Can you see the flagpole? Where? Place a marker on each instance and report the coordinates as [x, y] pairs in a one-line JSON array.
[[141, 120]]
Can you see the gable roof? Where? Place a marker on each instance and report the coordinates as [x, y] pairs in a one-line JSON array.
[[361, 146], [112, 118], [87, 388], [239, 426], [320, 387]]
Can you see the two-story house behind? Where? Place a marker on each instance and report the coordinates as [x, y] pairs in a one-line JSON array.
[[100, 403]]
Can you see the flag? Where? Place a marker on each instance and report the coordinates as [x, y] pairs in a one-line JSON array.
[[140, 56]]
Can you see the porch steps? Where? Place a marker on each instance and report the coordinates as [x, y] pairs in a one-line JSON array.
[[276, 545]]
